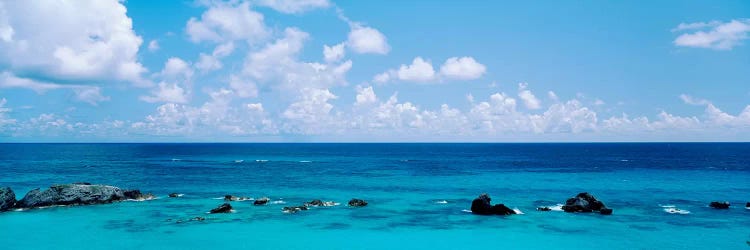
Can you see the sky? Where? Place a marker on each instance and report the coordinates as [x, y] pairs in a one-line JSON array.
[[374, 71]]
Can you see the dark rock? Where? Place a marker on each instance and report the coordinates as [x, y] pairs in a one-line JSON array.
[[320, 203], [544, 209], [261, 201], [291, 210], [585, 203], [199, 218], [174, 195], [81, 183], [747, 205], [482, 205], [74, 194], [224, 208], [7, 199], [357, 203], [719, 205], [136, 194]]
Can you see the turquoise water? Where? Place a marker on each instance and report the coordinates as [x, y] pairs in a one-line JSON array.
[[403, 184]]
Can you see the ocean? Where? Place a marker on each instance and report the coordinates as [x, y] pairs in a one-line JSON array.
[[418, 195]]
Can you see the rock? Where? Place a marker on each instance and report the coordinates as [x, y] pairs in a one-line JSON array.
[[223, 208], [543, 209], [585, 203], [719, 205], [76, 194], [199, 218], [291, 210], [747, 205], [137, 195], [320, 203], [357, 203], [235, 198], [482, 206], [7, 199], [261, 201], [174, 195]]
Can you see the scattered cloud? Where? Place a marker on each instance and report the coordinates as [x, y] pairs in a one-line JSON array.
[[529, 100], [713, 35], [294, 6], [464, 68], [153, 45], [421, 70], [363, 40], [228, 21]]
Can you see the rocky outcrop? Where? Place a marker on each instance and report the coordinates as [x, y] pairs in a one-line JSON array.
[[357, 203], [719, 205], [261, 201], [7, 199], [320, 203], [291, 210], [585, 203], [544, 209], [174, 195], [235, 198], [747, 205], [223, 208], [482, 205], [136, 194], [78, 194]]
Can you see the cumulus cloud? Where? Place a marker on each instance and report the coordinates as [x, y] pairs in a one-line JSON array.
[[365, 96], [153, 45], [464, 68], [713, 35], [311, 113], [85, 93], [4, 117], [90, 95], [212, 62], [421, 70], [228, 21], [363, 40], [528, 98], [334, 53], [243, 87], [294, 6], [70, 47], [175, 86]]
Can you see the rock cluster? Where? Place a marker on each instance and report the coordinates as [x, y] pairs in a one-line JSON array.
[[357, 203], [482, 206], [719, 205], [585, 203]]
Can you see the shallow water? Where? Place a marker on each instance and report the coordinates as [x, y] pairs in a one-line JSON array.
[[416, 194]]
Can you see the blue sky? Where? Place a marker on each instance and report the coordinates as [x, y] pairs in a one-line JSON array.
[[318, 70]]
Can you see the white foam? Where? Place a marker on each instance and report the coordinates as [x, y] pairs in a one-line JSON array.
[[175, 159], [441, 202], [305, 161], [239, 161], [466, 211], [518, 211], [667, 206], [261, 160], [674, 210], [557, 207], [278, 202]]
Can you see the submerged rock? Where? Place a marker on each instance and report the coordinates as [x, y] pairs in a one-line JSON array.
[[7, 199], [291, 210], [235, 198], [719, 205], [585, 203], [357, 203], [482, 205], [223, 208], [261, 201], [77, 194], [544, 209], [174, 195]]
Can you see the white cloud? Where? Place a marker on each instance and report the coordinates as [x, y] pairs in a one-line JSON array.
[[294, 6], [212, 62], [552, 96], [713, 35], [228, 21], [244, 88], [153, 45], [419, 71], [334, 53], [90, 95], [464, 68], [70, 47], [364, 40], [382, 77], [365, 96], [529, 100], [176, 68], [85, 93], [175, 86], [167, 92], [693, 101], [311, 113], [4, 118]]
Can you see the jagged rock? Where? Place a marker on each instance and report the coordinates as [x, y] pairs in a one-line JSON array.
[[482, 206], [585, 203], [137, 195], [544, 209], [223, 208], [747, 205], [357, 203], [292, 210], [75, 194], [719, 205], [261, 201], [320, 203], [174, 195], [7, 199]]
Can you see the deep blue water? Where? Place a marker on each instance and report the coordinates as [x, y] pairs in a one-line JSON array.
[[405, 185]]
